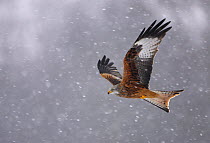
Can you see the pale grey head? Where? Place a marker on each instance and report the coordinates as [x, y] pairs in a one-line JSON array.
[[114, 90]]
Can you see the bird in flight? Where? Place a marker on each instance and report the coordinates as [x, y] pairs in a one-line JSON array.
[[138, 68]]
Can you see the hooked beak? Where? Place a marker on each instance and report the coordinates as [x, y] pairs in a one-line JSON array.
[[109, 92]]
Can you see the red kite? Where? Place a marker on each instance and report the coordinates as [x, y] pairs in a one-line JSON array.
[[138, 68]]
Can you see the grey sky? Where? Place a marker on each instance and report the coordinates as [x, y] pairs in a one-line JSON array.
[[50, 87]]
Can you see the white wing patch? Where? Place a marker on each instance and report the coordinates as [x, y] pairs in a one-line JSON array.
[[149, 47]]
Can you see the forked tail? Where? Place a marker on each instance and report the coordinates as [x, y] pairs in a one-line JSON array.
[[162, 101]]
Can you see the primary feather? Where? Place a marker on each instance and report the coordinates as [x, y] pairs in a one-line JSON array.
[[108, 71]]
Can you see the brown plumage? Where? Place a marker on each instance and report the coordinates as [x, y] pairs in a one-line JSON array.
[[138, 68]]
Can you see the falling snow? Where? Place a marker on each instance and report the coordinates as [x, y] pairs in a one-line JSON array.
[[51, 90]]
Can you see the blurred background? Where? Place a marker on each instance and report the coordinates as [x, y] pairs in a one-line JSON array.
[[51, 91]]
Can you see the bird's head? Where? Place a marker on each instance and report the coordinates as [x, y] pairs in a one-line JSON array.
[[114, 90]]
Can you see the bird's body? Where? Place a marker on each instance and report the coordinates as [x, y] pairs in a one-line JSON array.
[[134, 91], [138, 68]]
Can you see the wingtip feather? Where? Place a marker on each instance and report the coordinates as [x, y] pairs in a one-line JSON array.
[[98, 64], [155, 30], [153, 23]]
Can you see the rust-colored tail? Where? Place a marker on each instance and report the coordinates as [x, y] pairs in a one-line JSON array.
[[162, 101]]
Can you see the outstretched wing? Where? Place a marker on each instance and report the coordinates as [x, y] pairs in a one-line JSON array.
[[139, 59], [108, 71]]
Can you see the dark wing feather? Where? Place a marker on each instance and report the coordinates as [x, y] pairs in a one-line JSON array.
[[139, 59], [108, 71], [144, 66]]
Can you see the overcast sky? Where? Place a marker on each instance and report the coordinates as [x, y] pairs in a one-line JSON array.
[[51, 91]]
